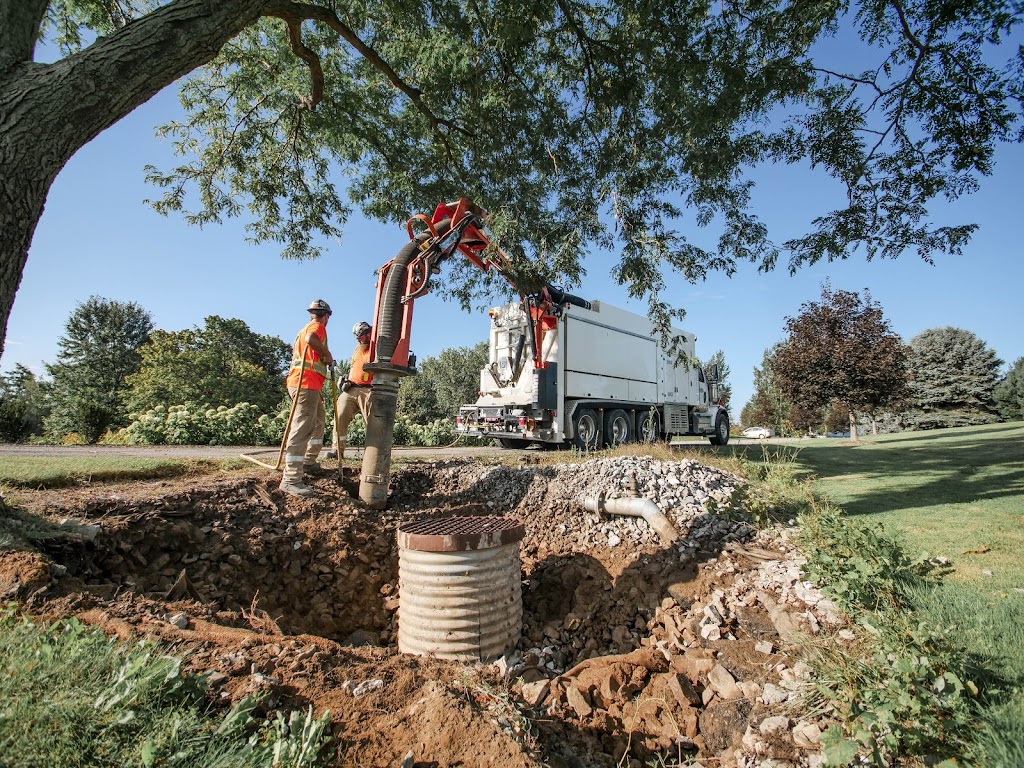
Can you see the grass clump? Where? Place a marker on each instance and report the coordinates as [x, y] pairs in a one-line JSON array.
[[71, 697], [23, 530]]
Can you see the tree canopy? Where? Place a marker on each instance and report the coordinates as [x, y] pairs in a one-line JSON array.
[[23, 405], [953, 376], [841, 351], [97, 353], [222, 363], [444, 383], [768, 406], [1009, 393], [578, 124], [724, 387]]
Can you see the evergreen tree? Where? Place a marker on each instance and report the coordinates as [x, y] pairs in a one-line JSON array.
[[1009, 393], [222, 363], [23, 405], [953, 376], [98, 352], [840, 352]]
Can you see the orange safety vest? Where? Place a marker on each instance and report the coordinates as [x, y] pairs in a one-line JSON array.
[[316, 372], [360, 357]]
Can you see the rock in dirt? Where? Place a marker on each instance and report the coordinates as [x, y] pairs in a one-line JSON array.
[[806, 735], [723, 683], [535, 693]]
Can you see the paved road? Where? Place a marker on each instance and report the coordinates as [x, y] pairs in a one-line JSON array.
[[270, 453], [208, 451]]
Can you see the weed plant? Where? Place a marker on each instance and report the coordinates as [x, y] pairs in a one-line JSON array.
[[70, 697], [913, 688]]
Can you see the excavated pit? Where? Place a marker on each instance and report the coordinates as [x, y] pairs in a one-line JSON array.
[[237, 559]]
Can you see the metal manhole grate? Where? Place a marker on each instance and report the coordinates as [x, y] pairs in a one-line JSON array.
[[454, 534]]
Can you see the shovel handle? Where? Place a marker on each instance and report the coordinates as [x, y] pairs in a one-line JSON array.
[[291, 414]]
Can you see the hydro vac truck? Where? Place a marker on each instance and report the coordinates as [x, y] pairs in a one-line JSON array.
[[561, 369]]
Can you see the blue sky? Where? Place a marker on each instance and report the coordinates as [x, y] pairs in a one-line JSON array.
[[97, 237]]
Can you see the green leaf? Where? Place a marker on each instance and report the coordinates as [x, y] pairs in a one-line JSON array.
[[841, 753]]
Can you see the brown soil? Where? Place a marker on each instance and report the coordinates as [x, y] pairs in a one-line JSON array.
[[297, 599]]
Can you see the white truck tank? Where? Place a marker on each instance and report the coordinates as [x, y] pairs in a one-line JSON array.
[[605, 379]]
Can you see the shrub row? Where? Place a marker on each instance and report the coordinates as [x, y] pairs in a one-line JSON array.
[[243, 424]]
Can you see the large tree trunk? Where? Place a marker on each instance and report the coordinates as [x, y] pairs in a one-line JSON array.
[[853, 426], [48, 112]]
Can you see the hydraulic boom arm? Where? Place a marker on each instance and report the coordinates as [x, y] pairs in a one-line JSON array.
[[459, 228]]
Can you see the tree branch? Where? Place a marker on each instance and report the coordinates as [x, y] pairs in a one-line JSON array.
[[839, 75], [908, 33], [316, 71], [283, 9], [19, 28]]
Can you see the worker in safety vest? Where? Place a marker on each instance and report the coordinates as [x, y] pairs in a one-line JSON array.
[[355, 392], [310, 358]]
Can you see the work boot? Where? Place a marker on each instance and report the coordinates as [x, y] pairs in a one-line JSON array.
[[297, 489], [313, 470]]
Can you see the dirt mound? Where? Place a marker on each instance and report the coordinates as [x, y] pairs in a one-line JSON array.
[[632, 648]]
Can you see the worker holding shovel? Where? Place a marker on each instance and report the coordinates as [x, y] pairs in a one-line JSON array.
[[304, 433]]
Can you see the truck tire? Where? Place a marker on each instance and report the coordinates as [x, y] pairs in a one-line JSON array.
[[618, 428], [721, 436], [648, 426], [511, 442], [585, 433]]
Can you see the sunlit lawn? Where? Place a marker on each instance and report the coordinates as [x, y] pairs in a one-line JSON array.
[[956, 493], [43, 472]]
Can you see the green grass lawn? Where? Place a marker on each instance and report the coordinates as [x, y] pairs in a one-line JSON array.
[[58, 472], [956, 493]]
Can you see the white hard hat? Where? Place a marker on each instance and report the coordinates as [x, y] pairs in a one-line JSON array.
[[360, 328]]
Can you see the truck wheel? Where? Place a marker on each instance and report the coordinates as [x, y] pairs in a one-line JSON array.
[[618, 428], [648, 426], [586, 435], [511, 442], [721, 436]]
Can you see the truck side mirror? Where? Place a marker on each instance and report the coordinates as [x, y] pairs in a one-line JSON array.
[[714, 373]]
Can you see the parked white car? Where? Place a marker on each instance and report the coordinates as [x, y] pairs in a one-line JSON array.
[[757, 432]]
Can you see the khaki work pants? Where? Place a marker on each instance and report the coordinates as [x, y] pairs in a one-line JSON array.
[[356, 400], [306, 437]]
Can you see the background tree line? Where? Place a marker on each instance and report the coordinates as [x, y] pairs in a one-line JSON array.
[[120, 379], [842, 368]]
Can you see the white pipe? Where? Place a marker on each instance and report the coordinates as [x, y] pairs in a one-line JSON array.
[[635, 507]]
